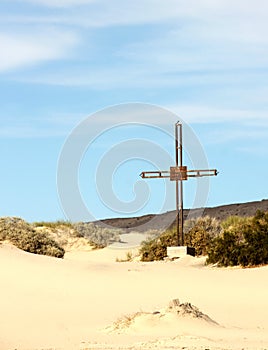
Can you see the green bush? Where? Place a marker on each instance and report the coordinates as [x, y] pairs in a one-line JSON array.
[[25, 237], [245, 243], [198, 234], [233, 221], [256, 241], [235, 241], [201, 233], [156, 248], [224, 250]]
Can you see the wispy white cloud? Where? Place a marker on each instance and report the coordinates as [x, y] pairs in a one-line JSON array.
[[20, 50], [46, 126], [228, 126], [58, 3], [199, 114], [32, 132], [209, 37], [205, 35], [205, 45], [103, 13]]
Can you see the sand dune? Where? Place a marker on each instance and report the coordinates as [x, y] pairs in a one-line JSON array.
[[76, 303], [176, 315]]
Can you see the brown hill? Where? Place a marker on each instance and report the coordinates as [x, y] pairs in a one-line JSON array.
[[160, 221]]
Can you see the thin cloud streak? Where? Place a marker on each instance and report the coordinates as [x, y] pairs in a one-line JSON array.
[[220, 14], [58, 125], [58, 3], [209, 115], [30, 132], [223, 125], [28, 49], [226, 37]]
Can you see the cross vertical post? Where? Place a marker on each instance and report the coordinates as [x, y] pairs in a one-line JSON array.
[[179, 173], [177, 185], [180, 213]]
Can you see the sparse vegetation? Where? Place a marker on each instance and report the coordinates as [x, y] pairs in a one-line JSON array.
[[94, 235], [98, 236], [50, 238], [25, 237], [129, 257], [199, 234], [156, 248], [235, 241], [234, 221], [244, 242], [53, 224]]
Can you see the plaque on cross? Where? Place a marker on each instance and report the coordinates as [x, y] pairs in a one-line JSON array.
[[178, 173]]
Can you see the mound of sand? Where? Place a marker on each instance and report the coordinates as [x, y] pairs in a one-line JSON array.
[[188, 310], [175, 316]]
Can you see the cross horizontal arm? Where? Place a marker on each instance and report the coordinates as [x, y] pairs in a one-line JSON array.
[[201, 173], [155, 174], [189, 173]]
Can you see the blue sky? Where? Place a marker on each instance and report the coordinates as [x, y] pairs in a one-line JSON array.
[[63, 61]]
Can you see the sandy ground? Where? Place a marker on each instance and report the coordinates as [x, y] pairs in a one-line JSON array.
[[90, 301]]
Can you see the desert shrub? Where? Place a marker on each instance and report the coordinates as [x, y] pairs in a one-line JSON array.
[[233, 221], [243, 244], [237, 225], [37, 243], [201, 233], [53, 224], [156, 248], [255, 250], [25, 237], [98, 236], [224, 250]]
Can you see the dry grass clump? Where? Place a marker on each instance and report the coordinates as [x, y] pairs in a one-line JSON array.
[[25, 237], [83, 235], [65, 235], [129, 257], [53, 224], [125, 322], [99, 237]]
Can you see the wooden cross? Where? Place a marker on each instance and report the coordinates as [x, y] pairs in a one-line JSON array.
[[178, 173]]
